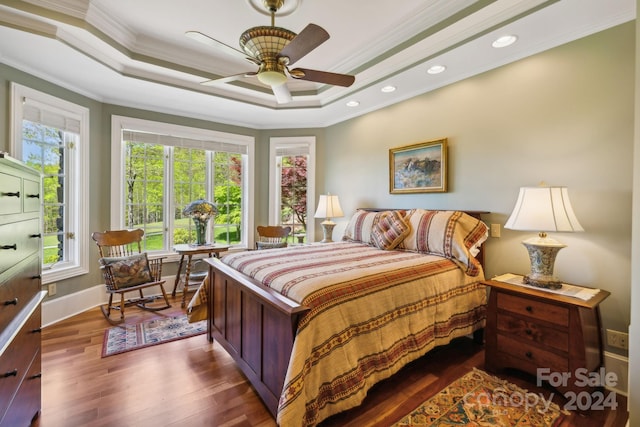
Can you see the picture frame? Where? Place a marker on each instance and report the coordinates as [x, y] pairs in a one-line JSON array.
[[419, 168]]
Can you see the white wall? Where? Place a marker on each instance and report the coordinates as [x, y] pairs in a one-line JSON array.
[[564, 117]]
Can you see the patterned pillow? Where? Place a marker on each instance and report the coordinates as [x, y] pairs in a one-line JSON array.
[[451, 234], [390, 230], [129, 270], [361, 226]]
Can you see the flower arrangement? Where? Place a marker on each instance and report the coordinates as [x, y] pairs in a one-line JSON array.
[[200, 209], [201, 212]]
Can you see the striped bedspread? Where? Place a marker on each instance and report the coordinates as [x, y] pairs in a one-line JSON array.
[[371, 312]]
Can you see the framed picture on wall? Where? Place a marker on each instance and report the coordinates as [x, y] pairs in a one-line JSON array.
[[419, 168]]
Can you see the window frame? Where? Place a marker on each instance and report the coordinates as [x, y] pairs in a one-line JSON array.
[[77, 218], [118, 160], [276, 143]]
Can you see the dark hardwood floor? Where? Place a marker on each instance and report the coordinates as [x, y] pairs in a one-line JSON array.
[[195, 383]]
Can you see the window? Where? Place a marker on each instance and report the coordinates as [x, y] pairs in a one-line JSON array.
[[159, 168], [292, 185], [52, 135]]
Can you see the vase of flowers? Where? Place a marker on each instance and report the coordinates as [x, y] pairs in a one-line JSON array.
[[200, 211]]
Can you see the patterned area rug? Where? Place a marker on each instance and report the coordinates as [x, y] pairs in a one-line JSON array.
[[479, 399], [122, 338]]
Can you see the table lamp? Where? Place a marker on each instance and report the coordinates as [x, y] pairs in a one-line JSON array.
[[328, 207], [543, 209]]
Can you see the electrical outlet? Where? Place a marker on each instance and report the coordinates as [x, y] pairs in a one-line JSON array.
[[52, 289], [495, 230], [618, 339]]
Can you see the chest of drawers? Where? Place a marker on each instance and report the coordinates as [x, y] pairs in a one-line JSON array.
[[20, 293], [528, 329]]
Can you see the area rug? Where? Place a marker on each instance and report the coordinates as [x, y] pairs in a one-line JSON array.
[[123, 338], [480, 399]]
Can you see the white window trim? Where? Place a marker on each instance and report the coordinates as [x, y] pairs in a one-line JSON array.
[[80, 184], [274, 187], [117, 161]]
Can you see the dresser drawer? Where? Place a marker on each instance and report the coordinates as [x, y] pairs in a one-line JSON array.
[[553, 313], [31, 196], [10, 195], [17, 358], [26, 403], [532, 353], [18, 240], [533, 331], [18, 289]]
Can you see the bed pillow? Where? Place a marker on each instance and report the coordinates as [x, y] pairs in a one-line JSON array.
[[451, 234], [390, 229], [129, 270], [361, 225]]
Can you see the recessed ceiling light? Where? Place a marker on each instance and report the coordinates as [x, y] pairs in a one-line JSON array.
[[387, 89], [504, 41], [353, 103], [436, 69]]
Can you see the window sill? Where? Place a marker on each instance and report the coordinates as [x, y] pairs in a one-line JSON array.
[[57, 274]]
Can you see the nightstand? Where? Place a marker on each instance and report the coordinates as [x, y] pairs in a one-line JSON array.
[[530, 328]]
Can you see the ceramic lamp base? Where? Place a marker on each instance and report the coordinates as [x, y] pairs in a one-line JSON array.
[[327, 231], [542, 254]]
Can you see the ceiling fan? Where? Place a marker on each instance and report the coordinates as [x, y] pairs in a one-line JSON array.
[[273, 49]]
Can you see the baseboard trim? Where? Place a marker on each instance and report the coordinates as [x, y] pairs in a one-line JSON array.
[[66, 306]]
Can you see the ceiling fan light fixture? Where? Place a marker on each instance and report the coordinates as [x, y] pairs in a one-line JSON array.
[[265, 43], [272, 78]]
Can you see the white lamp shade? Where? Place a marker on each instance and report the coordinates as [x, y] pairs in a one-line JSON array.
[[543, 209], [329, 207]]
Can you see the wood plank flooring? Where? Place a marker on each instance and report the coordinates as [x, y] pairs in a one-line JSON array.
[[193, 382]]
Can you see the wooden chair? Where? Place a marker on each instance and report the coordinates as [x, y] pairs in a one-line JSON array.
[[126, 268], [272, 236]]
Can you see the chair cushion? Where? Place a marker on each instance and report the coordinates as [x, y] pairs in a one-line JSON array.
[[129, 270], [271, 245]]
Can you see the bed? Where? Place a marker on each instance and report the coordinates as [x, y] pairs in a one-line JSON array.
[[314, 327]]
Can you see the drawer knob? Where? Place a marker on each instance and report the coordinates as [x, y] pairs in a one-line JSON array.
[[529, 308], [11, 302], [37, 276], [36, 330], [33, 196], [14, 247], [34, 236], [529, 354], [36, 376], [13, 373], [12, 194]]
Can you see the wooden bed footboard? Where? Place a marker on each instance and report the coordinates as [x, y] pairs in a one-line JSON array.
[[255, 325]]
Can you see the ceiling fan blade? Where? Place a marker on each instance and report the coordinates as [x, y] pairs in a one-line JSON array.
[[283, 96], [203, 38], [310, 38], [322, 77], [227, 79]]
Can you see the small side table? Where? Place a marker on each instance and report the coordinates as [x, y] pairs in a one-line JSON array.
[[531, 328], [189, 251]]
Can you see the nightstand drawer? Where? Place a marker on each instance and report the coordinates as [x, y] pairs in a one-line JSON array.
[[532, 353], [533, 331], [532, 308]]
